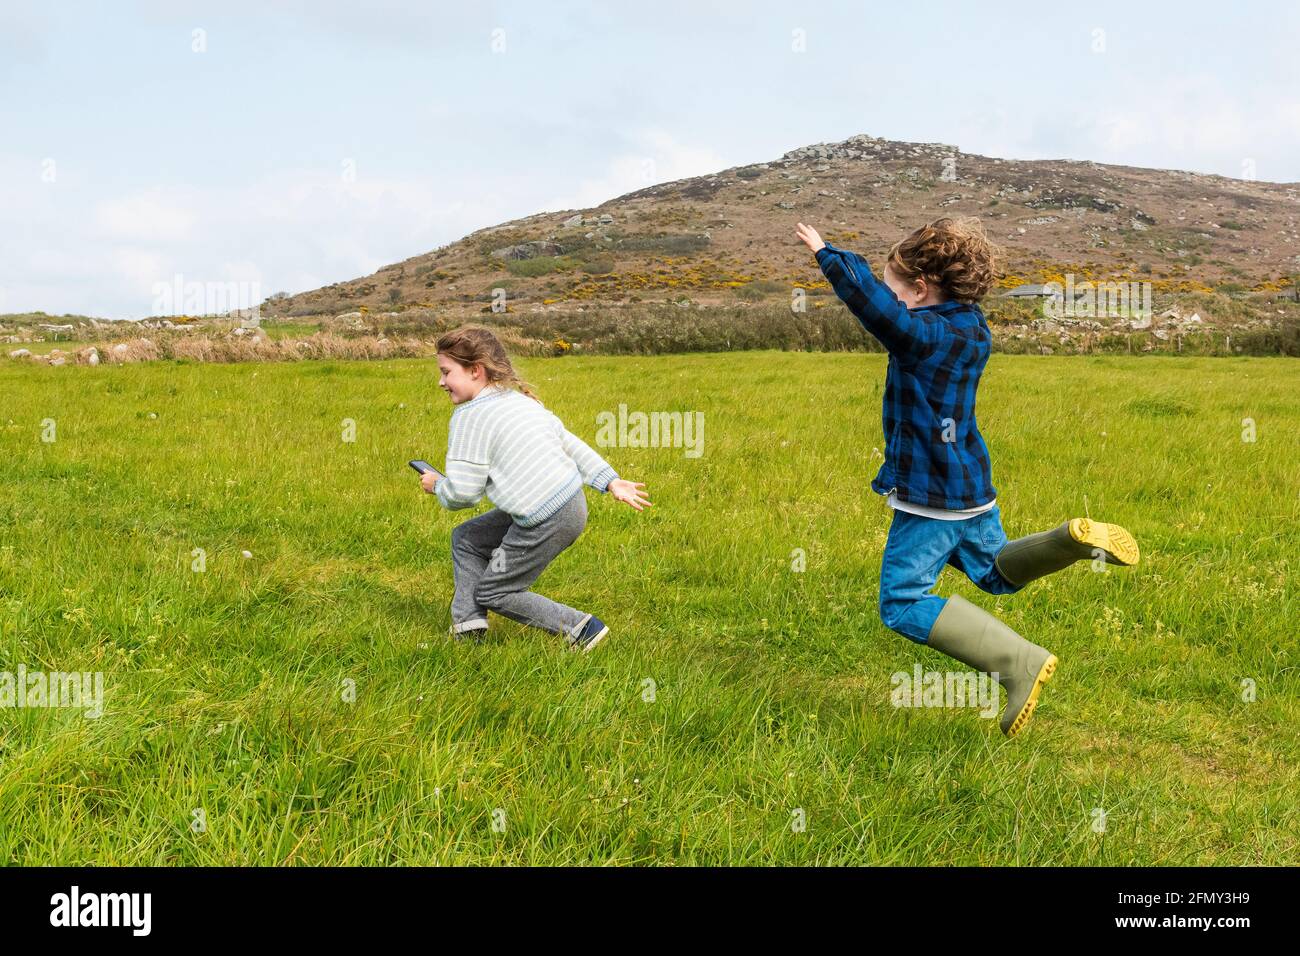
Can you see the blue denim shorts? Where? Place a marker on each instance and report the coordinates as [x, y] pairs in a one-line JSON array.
[[915, 553]]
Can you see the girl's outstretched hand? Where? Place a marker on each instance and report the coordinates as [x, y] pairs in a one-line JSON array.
[[808, 236], [629, 492]]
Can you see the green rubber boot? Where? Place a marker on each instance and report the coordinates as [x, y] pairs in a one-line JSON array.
[[1078, 539], [975, 637]]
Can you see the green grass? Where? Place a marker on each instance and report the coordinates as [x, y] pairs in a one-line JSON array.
[[289, 329], [223, 688], [539, 265]]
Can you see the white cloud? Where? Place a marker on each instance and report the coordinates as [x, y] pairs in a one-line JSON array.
[[159, 215], [137, 267], [291, 231], [662, 158], [1190, 122]]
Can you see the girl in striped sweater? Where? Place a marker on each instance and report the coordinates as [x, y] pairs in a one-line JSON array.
[[504, 444]]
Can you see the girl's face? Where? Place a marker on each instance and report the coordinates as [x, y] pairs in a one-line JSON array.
[[460, 383]]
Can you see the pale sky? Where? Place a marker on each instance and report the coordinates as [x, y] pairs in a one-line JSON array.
[[296, 144]]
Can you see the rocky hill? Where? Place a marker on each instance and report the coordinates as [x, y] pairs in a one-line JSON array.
[[729, 236]]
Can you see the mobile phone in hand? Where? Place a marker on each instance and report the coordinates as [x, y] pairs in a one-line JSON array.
[[423, 467]]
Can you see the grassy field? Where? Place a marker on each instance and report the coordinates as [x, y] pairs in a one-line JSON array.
[[304, 706]]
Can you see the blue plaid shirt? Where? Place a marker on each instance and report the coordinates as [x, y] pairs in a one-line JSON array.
[[934, 453]]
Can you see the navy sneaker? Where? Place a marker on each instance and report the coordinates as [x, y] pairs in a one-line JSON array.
[[590, 633]]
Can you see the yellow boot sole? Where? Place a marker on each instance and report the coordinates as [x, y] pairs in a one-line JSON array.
[[1111, 538], [1044, 675]]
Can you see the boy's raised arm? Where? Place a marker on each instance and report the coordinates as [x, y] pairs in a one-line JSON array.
[[871, 301], [875, 305]]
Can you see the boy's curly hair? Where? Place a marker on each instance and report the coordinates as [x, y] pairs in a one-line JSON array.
[[954, 253]]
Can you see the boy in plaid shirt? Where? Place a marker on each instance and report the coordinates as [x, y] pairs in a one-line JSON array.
[[936, 473]]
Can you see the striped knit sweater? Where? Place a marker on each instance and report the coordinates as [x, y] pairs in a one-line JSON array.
[[507, 446]]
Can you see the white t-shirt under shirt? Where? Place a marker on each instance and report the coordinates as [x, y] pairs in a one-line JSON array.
[[943, 515]]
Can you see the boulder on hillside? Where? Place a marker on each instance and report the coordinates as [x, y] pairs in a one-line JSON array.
[[528, 250]]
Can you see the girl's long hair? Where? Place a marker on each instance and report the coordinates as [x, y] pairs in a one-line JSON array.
[[474, 345]]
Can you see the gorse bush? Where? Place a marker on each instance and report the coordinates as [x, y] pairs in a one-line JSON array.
[[538, 265]]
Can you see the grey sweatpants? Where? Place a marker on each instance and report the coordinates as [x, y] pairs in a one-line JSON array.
[[496, 562]]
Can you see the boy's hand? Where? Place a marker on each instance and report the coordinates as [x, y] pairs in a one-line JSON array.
[[428, 480], [808, 236], [629, 492]]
